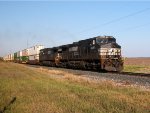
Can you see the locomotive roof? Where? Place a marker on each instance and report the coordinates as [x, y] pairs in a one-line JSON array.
[[104, 37], [101, 37], [80, 41]]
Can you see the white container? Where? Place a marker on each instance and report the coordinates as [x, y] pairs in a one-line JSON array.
[[19, 53], [25, 52], [35, 50], [7, 57], [11, 57], [4, 58], [33, 53], [34, 57]]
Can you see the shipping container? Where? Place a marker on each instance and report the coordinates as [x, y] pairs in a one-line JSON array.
[[25, 52], [11, 57], [5, 58], [19, 56], [35, 50], [33, 53], [25, 56], [15, 57]]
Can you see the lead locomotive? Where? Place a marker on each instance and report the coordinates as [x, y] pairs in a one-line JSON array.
[[101, 53]]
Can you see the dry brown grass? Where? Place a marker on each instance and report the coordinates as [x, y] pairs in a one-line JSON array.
[[51, 91], [63, 76]]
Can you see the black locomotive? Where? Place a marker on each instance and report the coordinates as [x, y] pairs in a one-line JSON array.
[[100, 53]]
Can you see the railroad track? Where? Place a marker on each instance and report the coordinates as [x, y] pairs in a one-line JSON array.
[[130, 78], [132, 74]]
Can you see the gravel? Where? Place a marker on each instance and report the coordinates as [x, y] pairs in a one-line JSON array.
[[128, 79]]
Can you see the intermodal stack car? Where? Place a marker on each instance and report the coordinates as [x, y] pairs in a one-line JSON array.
[[28, 55]]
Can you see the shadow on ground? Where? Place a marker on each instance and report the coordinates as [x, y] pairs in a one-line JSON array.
[[8, 105]]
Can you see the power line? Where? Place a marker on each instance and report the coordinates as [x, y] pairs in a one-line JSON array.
[[136, 27], [116, 20]]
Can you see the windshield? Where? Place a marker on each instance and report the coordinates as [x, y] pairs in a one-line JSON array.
[[105, 40], [101, 40], [110, 40]]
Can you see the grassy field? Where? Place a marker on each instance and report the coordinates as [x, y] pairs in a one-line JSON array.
[[29, 90], [136, 69], [137, 65]]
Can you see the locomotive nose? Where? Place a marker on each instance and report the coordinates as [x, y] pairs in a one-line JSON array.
[[113, 65]]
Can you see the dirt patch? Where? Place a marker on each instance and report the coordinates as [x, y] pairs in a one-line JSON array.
[[137, 61]]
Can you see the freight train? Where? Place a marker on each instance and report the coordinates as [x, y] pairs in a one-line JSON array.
[[97, 53]]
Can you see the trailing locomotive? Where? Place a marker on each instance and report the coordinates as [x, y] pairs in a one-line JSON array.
[[100, 53]]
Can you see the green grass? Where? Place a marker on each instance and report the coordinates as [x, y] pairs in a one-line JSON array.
[[38, 92], [136, 69]]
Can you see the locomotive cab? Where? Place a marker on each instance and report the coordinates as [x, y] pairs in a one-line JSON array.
[[110, 54]]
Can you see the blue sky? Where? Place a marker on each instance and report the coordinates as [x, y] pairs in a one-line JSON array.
[[56, 23]]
